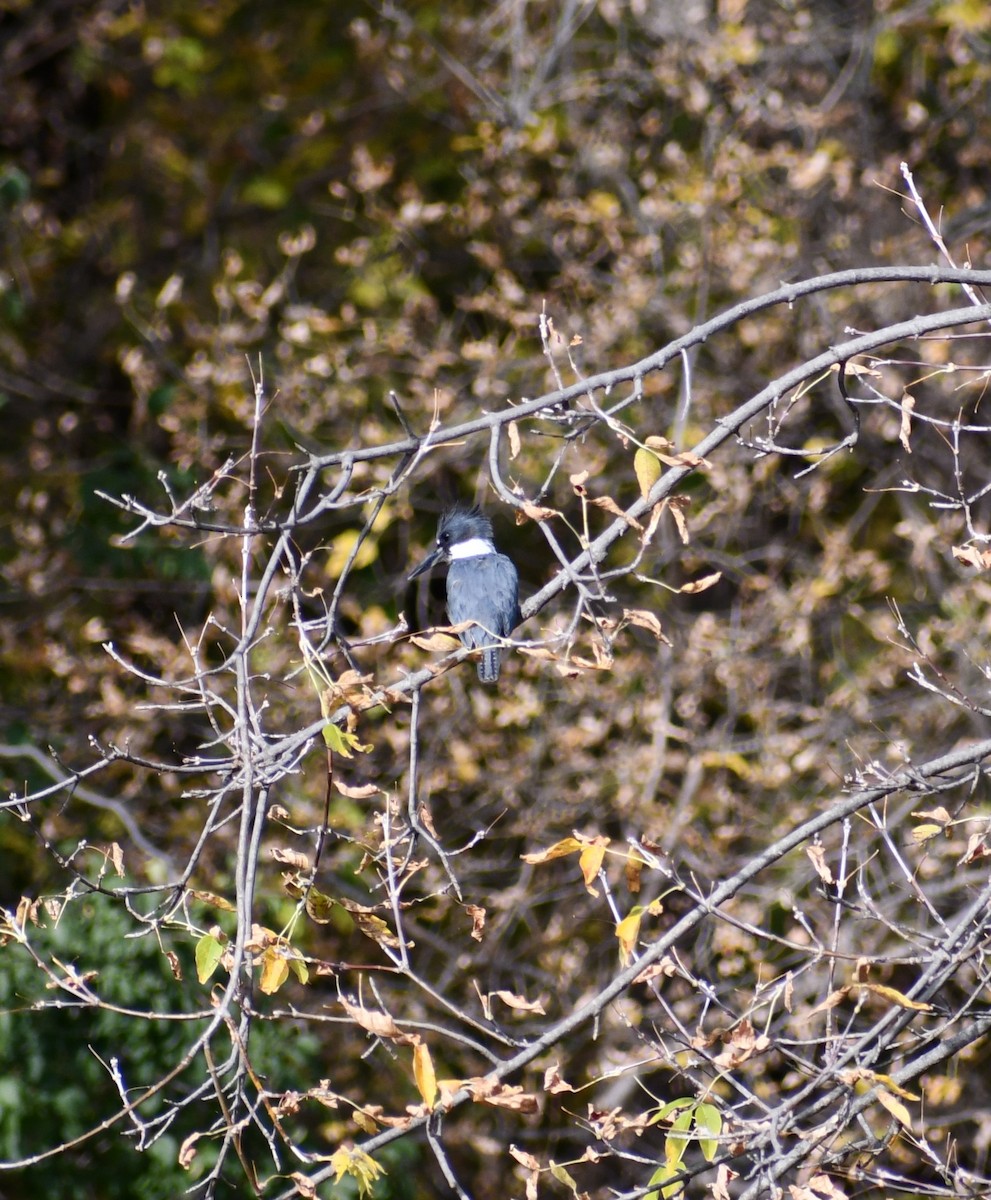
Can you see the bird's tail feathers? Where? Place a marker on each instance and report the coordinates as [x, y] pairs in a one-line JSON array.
[[488, 665]]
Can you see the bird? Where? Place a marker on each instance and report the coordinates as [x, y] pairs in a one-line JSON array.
[[482, 585]]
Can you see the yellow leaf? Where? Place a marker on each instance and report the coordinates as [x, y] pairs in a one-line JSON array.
[[590, 862], [364, 1122], [895, 1107], [274, 971], [424, 1074], [925, 833], [894, 1087], [896, 997], [558, 850], [647, 467], [349, 1160], [627, 932]]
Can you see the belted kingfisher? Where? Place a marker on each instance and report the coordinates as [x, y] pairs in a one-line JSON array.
[[482, 584]]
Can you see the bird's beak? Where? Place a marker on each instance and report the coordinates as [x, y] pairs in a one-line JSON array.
[[427, 563]]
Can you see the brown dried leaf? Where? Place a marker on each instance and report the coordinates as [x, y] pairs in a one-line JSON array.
[[655, 519], [934, 814], [613, 509], [441, 643], [535, 512], [532, 1167], [363, 792], [742, 1043], [632, 870], [905, 432], [378, 1024], [676, 506], [520, 1003], [187, 1151], [375, 928], [724, 1177], [305, 1186], [554, 1081], [694, 586], [501, 1095], [292, 858], [538, 652], [831, 1001], [981, 559], [477, 915], [976, 848], [817, 856], [213, 899], [644, 619], [665, 966]]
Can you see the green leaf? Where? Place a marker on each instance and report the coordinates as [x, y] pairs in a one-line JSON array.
[[209, 951], [319, 906], [339, 741], [661, 1176], [678, 1138], [672, 1106], [708, 1126]]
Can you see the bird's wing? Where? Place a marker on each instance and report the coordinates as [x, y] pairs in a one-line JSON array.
[[492, 599]]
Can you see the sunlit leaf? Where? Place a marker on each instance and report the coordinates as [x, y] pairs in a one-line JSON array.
[[274, 971], [209, 951], [424, 1074]]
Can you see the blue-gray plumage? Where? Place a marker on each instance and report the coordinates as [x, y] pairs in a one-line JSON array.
[[482, 584]]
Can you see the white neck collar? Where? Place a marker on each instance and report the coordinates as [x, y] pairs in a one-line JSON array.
[[473, 548]]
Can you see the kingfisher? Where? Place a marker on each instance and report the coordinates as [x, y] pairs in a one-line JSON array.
[[482, 584]]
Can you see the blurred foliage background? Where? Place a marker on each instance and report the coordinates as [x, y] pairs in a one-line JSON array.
[[359, 198]]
